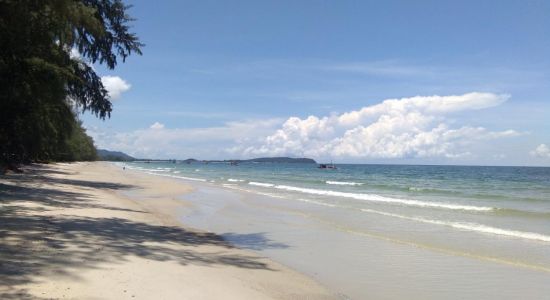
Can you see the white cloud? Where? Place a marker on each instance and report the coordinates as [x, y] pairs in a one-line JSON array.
[[158, 141], [157, 125], [115, 86], [74, 54], [541, 151], [380, 68], [416, 127], [395, 128]]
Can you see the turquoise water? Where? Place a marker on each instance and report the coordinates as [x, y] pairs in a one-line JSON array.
[[460, 231], [510, 201]]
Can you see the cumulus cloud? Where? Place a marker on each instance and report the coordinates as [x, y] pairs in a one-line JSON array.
[[115, 86], [542, 151], [394, 128], [157, 141], [74, 54], [157, 125], [416, 127]]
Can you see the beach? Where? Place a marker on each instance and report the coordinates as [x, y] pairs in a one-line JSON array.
[[93, 230], [381, 231], [163, 230], [274, 150]]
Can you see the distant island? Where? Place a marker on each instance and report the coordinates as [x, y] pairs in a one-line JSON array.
[[107, 155], [286, 160], [301, 160]]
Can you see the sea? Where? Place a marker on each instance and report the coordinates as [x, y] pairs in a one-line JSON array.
[[383, 231]]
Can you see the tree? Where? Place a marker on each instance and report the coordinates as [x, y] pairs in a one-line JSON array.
[[41, 82], [78, 146]]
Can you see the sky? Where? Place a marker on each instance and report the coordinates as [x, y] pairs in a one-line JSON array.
[[404, 82]]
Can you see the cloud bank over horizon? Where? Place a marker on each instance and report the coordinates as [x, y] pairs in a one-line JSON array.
[[416, 127], [542, 151]]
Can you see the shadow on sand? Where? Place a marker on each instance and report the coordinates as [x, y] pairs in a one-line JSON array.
[[36, 245]]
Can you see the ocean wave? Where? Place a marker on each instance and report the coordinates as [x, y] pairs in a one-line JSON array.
[[343, 182], [421, 189], [235, 180], [239, 188], [316, 202], [468, 226], [261, 184], [179, 177], [190, 178], [377, 198], [523, 213]]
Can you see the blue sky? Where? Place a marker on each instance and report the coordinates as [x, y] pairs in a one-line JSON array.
[[224, 79]]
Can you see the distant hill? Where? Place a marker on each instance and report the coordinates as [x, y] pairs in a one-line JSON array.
[[301, 160], [107, 155], [189, 161]]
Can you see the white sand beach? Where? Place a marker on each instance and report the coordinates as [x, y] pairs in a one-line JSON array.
[[70, 231]]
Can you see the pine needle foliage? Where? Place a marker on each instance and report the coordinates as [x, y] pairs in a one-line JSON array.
[[43, 83]]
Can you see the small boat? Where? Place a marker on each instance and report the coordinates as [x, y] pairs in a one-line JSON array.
[[327, 166]]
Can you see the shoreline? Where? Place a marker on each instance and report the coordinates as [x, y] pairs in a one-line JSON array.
[[94, 231], [361, 252]]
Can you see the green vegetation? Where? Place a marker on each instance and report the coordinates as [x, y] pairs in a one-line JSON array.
[[107, 155], [43, 86]]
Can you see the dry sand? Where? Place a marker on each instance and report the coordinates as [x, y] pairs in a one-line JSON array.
[[94, 231]]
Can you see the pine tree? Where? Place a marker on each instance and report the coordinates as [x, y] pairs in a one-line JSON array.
[[41, 82]]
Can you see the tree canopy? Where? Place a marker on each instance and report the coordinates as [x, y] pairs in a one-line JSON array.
[[44, 84]]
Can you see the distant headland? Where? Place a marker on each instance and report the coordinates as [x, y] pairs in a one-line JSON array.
[[107, 155], [286, 160]]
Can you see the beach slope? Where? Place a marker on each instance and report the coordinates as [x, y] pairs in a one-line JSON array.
[[95, 231]]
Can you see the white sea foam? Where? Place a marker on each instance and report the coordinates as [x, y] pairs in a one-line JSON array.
[[235, 180], [343, 182], [177, 172], [261, 184], [239, 188], [190, 178], [374, 198], [316, 202], [426, 189], [377, 198], [179, 177], [468, 226]]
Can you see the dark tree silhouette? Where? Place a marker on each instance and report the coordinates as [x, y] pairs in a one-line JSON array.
[[42, 84]]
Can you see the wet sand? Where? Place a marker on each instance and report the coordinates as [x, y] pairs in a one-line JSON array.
[[95, 231]]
